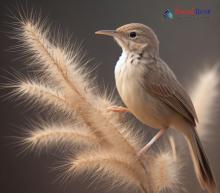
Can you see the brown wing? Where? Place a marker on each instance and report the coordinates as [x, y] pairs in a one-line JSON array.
[[161, 82]]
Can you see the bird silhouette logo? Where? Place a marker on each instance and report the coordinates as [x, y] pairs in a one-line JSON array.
[[168, 14]]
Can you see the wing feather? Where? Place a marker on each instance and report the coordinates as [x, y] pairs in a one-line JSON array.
[[161, 82]]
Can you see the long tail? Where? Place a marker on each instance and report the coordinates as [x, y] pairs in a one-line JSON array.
[[200, 161]]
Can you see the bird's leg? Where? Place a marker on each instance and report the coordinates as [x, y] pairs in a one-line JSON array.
[[118, 109], [148, 145]]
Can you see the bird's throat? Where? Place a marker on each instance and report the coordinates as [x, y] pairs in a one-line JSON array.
[[121, 61]]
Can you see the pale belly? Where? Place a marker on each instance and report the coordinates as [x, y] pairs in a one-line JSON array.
[[143, 106]]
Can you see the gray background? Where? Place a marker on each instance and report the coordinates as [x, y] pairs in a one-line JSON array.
[[187, 45]]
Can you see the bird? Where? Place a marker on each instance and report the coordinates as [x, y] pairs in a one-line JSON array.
[[153, 94]]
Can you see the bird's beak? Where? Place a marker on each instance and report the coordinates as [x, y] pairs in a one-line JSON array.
[[106, 32]]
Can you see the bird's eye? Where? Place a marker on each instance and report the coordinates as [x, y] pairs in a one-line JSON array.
[[132, 34]]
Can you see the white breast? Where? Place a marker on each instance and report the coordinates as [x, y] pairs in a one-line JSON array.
[[128, 77], [121, 62]]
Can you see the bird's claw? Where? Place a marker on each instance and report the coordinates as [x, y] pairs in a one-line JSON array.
[[117, 109]]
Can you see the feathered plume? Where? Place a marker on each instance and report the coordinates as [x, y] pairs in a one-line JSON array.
[[58, 135], [110, 145], [204, 95]]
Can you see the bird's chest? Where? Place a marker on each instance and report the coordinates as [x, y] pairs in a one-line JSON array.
[[128, 75]]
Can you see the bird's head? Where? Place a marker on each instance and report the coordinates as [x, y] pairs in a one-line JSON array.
[[134, 37]]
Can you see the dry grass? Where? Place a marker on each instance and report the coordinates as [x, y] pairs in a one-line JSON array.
[[204, 94], [109, 146]]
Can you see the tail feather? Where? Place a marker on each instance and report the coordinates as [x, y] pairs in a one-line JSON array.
[[200, 161]]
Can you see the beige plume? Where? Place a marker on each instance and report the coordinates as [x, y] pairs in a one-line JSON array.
[[204, 94]]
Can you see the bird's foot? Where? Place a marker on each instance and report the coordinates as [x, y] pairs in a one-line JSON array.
[[143, 150], [118, 109], [150, 143]]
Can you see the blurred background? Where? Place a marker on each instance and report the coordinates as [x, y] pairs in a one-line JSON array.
[[187, 44]]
